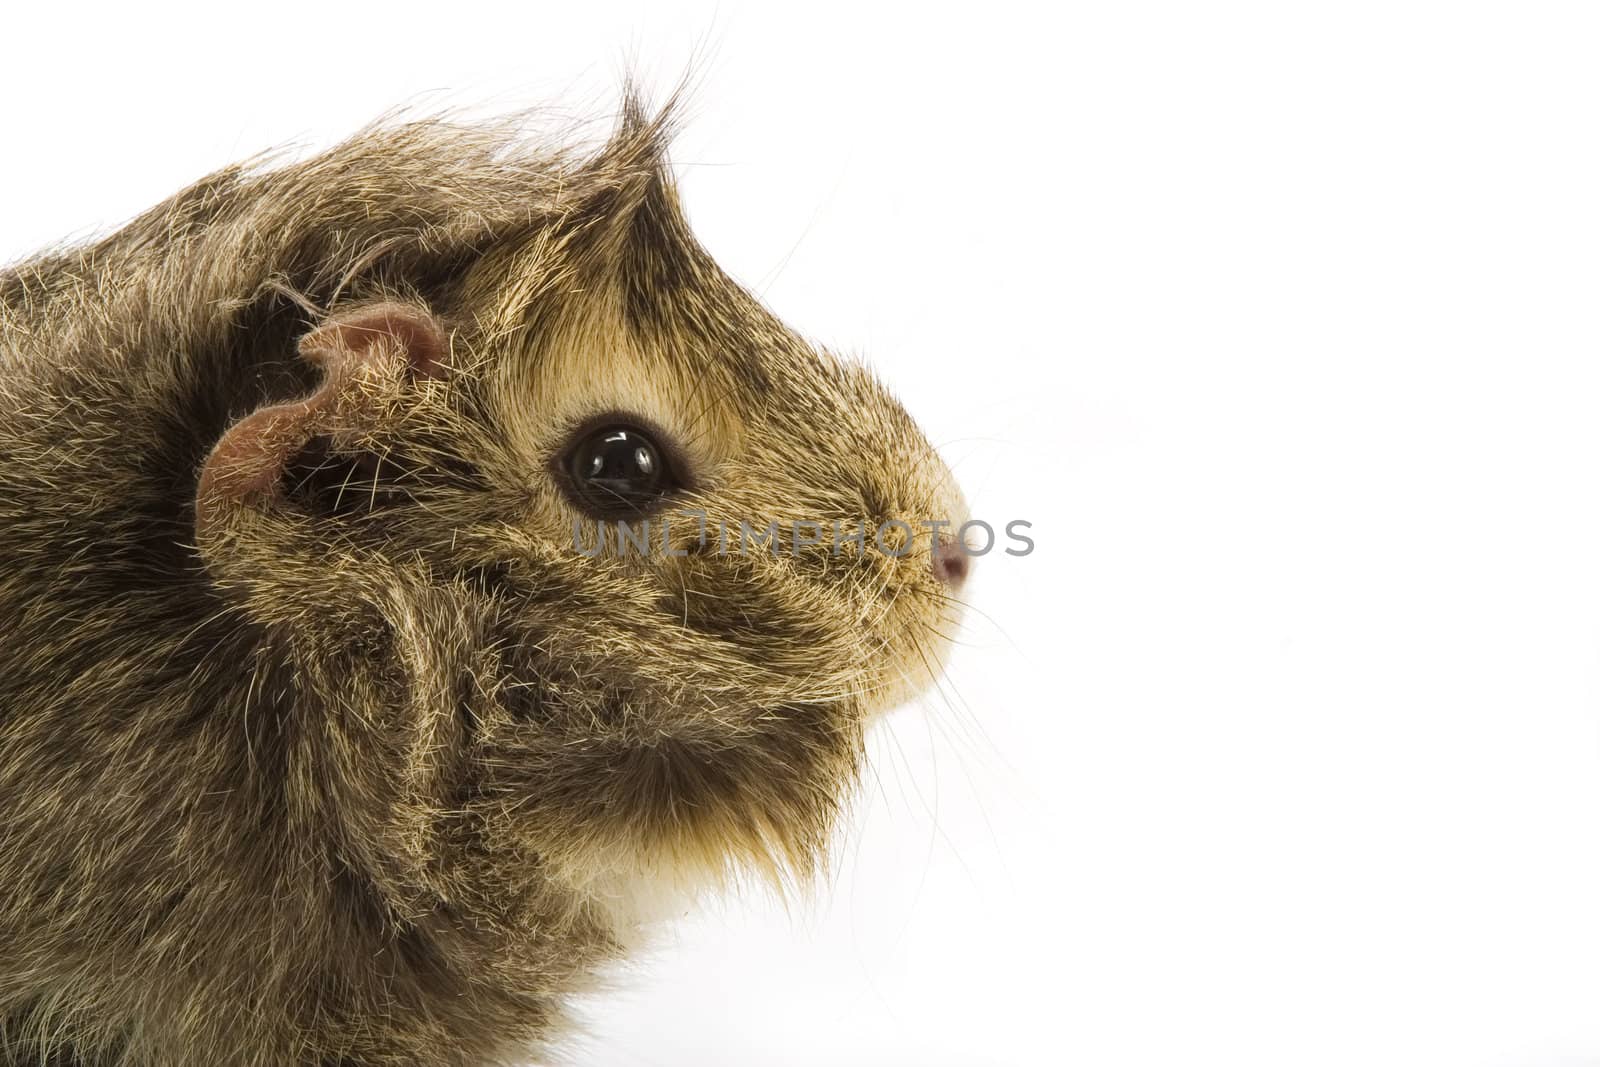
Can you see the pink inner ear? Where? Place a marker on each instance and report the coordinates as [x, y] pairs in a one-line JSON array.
[[248, 462], [410, 329]]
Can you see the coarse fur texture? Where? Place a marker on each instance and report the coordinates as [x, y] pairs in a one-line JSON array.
[[321, 740]]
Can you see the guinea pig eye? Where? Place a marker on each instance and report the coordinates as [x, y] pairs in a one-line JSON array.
[[618, 470]]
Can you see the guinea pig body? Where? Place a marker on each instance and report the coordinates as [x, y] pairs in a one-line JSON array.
[[375, 635]]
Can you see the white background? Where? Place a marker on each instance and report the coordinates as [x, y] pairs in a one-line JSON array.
[[1278, 321]]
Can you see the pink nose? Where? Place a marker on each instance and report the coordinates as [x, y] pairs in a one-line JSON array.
[[950, 563]]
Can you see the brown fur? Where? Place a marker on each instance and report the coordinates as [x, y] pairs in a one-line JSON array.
[[320, 743]]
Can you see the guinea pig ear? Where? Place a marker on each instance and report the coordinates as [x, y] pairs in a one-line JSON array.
[[368, 355]]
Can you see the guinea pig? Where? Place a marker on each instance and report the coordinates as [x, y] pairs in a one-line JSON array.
[[399, 585]]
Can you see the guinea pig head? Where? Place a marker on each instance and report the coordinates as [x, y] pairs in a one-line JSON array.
[[595, 568]]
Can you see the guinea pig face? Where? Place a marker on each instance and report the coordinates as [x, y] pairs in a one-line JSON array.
[[742, 525], [693, 555]]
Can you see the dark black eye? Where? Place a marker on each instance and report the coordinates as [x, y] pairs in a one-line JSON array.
[[618, 470]]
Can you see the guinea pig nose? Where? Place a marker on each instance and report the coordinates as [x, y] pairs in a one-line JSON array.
[[950, 563]]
